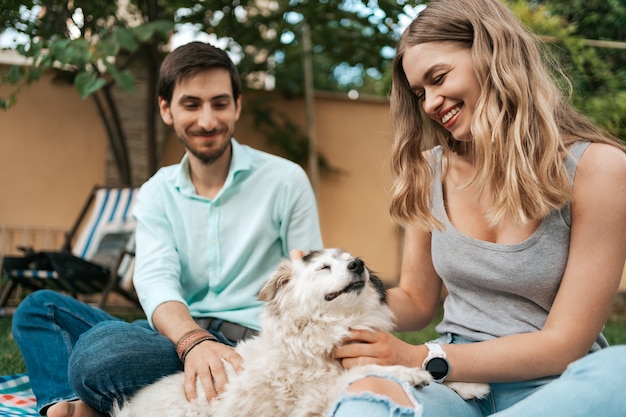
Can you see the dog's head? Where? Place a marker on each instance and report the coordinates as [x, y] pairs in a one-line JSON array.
[[329, 284]]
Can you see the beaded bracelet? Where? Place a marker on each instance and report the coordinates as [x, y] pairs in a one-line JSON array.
[[190, 340]]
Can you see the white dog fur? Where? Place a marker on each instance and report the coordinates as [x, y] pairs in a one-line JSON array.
[[311, 305]]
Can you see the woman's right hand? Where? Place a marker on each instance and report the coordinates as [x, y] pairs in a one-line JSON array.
[[381, 348]]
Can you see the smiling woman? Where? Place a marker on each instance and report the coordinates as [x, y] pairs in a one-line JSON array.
[[436, 70], [503, 189]]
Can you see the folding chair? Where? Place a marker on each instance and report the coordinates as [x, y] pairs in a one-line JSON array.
[[97, 256]]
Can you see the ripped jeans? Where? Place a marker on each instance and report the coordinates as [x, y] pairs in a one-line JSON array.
[[591, 386]]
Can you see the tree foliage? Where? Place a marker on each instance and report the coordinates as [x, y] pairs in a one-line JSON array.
[[598, 73], [347, 36], [94, 47], [92, 42]]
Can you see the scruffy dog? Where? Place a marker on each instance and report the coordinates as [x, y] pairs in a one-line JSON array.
[[311, 305]]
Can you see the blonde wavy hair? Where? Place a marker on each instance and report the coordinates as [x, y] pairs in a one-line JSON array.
[[521, 130]]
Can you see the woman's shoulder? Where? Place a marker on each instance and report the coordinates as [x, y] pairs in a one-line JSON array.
[[600, 176], [601, 160]]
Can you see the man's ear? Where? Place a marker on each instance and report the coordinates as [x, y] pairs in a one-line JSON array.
[[164, 109], [238, 103]]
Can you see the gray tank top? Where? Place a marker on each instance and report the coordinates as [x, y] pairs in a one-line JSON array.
[[496, 289]]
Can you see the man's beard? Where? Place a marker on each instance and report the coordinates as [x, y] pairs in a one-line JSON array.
[[206, 157]]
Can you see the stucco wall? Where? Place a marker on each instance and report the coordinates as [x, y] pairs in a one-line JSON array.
[[52, 152], [53, 148]]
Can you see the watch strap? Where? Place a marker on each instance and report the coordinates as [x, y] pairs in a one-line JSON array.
[[435, 348]]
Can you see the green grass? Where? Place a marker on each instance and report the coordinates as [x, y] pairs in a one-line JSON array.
[[615, 331], [11, 360]]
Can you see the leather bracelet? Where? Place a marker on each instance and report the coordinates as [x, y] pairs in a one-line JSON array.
[[194, 344], [189, 340]]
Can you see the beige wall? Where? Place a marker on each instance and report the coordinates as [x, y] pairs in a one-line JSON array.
[[51, 152], [53, 147]]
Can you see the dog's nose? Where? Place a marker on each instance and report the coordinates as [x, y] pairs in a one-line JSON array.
[[356, 266]]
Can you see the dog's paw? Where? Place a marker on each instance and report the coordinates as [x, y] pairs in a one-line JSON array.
[[469, 390], [414, 376]]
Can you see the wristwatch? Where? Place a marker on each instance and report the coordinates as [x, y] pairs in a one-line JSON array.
[[436, 362]]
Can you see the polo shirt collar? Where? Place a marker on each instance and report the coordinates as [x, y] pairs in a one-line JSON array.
[[241, 160]]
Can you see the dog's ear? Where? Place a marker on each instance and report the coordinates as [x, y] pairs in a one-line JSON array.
[[380, 288], [277, 281]]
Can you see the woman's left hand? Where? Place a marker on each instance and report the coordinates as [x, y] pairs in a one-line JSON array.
[[381, 348]]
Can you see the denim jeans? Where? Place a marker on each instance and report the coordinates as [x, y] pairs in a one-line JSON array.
[[591, 386], [73, 350]]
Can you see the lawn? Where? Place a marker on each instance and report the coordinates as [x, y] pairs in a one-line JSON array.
[[11, 361]]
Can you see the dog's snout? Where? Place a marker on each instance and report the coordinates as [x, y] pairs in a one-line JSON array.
[[356, 266]]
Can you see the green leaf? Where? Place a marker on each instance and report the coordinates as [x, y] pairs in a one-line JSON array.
[[33, 75], [57, 50], [7, 103], [78, 52], [146, 31], [163, 27], [87, 83], [124, 79], [21, 49], [143, 33], [30, 49], [126, 39], [16, 72], [35, 51], [107, 47], [46, 61]]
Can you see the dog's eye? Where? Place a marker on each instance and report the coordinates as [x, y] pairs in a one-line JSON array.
[[325, 266]]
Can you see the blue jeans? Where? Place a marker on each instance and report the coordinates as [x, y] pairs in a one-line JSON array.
[[591, 386], [73, 350]]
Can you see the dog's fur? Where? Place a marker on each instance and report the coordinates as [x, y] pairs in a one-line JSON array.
[[311, 305]]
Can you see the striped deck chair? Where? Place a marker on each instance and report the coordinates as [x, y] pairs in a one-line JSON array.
[[97, 256]]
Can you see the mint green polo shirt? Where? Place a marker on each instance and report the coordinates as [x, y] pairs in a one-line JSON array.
[[215, 255]]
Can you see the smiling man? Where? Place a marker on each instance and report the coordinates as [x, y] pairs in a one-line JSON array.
[[211, 230]]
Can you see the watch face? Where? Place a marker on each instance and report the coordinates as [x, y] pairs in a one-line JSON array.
[[438, 368]]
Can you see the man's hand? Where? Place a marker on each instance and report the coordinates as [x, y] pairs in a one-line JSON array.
[[206, 362]]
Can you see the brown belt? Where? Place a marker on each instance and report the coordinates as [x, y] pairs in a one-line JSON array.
[[231, 331]]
